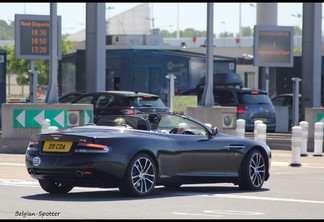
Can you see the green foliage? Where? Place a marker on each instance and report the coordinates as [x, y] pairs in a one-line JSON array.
[[6, 31], [190, 32], [187, 33], [297, 31]]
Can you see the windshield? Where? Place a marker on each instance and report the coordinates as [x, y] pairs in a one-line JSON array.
[[148, 101]]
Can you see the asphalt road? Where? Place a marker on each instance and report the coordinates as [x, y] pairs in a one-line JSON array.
[[12, 166], [290, 193]]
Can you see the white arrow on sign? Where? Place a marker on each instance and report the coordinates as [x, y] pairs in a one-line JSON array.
[[21, 118], [40, 117], [86, 118], [60, 119]]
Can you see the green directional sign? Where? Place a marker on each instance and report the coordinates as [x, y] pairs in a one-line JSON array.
[[320, 117], [87, 117], [34, 118], [58, 117]]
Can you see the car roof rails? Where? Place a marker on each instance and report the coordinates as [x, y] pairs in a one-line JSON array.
[[225, 79]]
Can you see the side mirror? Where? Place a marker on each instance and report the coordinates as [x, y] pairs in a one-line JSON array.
[[214, 130]]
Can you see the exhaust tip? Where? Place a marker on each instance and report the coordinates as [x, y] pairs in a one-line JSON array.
[[79, 173], [31, 171]]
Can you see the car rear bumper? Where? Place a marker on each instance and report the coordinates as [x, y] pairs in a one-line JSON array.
[[81, 170]]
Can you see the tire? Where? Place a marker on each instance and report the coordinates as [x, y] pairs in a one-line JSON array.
[[54, 187], [140, 177], [253, 171]]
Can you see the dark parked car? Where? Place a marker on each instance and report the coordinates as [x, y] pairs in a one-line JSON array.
[[287, 101], [251, 104], [135, 159], [67, 98], [121, 102]]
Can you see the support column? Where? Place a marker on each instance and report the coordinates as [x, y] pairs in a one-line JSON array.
[[95, 47], [311, 56]]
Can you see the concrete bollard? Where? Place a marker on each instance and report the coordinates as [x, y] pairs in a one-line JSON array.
[[52, 128], [45, 124], [262, 132], [318, 139], [295, 146], [240, 128], [256, 122], [303, 148]]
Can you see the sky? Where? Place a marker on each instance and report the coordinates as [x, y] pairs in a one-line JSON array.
[[168, 16]]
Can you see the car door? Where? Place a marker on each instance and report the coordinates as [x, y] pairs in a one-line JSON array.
[[200, 155], [196, 153]]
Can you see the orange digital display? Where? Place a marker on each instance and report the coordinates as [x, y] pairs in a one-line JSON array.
[[32, 36], [273, 46]]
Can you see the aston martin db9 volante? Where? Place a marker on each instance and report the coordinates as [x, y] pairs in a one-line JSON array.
[[122, 152]]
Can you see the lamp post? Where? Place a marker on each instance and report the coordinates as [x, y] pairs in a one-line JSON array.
[[178, 31], [322, 32], [108, 10], [224, 24], [240, 22], [298, 16], [108, 17]]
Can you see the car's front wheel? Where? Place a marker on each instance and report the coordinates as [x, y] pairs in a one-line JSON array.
[[54, 186], [253, 171], [140, 177]]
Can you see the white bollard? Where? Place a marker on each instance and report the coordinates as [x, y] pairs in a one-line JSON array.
[[295, 146], [318, 139], [303, 148], [52, 128], [256, 122], [45, 124], [262, 132], [240, 128]]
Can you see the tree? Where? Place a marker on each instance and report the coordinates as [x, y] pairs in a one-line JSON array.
[[247, 31], [225, 34], [297, 31], [6, 31]]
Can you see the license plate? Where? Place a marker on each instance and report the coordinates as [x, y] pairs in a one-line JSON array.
[[262, 119], [54, 146]]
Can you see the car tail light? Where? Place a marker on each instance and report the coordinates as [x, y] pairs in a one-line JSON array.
[[127, 111], [33, 145], [241, 110], [254, 93], [273, 110], [92, 148]]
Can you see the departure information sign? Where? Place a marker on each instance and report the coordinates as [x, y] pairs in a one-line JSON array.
[[273, 46], [32, 36]]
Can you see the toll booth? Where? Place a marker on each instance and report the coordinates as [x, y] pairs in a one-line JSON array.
[[143, 69], [3, 72]]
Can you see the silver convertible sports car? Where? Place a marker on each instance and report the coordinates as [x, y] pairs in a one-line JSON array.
[[122, 152]]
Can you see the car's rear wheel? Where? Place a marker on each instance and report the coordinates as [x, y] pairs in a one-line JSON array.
[[140, 177], [253, 171], [54, 186]]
